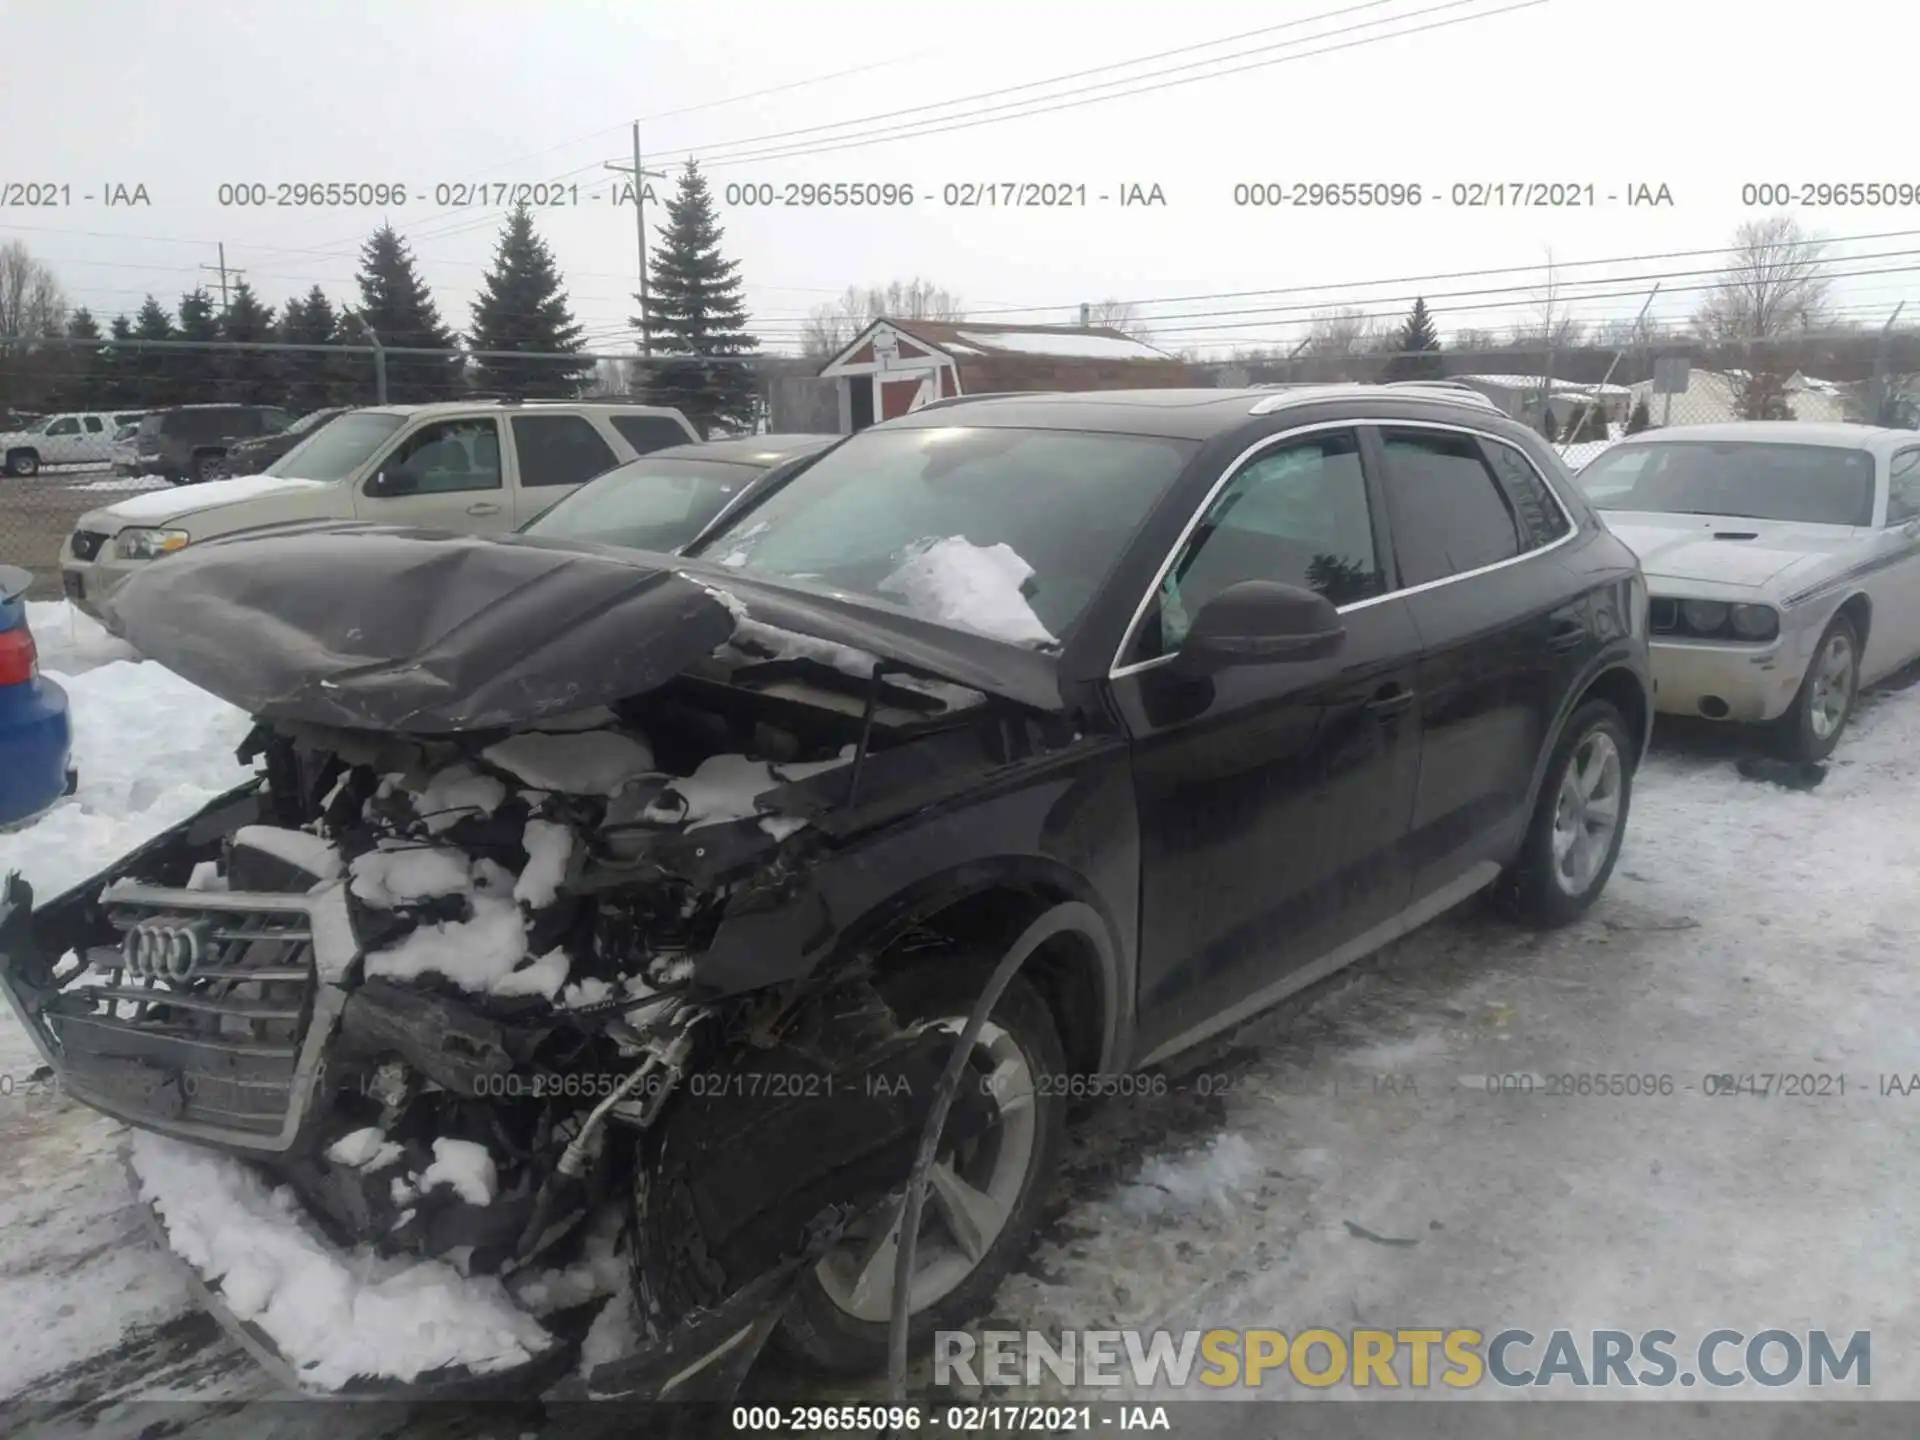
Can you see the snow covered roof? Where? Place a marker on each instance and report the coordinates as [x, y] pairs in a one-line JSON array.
[[1067, 342], [1534, 382]]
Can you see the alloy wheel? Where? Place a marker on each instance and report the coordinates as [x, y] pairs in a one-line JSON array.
[[972, 1191], [1586, 812], [1832, 693]]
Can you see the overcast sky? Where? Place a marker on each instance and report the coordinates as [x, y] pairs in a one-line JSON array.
[[1700, 96]]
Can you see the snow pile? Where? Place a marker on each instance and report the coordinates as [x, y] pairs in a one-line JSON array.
[[1171, 1187], [477, 954], [71, 642], [335, 1317], [456, 793], [297, 848], [591, 762], [978, 586], [600, 1271], [549, 846], [401, 874], [464, 1167], [727, 787]]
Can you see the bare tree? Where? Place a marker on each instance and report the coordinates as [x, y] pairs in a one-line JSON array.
[[1111, 314], [31, 301], [830, 327], [1472, 339], [1551, 325], [1775, 282], [1346, 331]]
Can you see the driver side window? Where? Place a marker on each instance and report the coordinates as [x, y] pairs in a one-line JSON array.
[[65, 425], [1903, 488], [1296, 514], [446, 456]]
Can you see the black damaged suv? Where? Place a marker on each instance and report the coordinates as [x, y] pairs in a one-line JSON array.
[[1188, 697]]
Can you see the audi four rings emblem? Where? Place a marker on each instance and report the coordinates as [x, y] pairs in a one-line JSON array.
[[165, 949]]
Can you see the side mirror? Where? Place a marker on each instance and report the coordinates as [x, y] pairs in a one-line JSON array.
[[389, 483], [1259, 622]]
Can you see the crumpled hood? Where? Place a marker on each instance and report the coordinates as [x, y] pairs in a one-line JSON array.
[[155, 507], [1683, 547], [402, 628]]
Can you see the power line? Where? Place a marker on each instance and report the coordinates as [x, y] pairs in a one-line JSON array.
[[1149, 58], [880, 138]]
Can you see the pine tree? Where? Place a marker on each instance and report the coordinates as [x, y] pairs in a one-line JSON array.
[[523, 307], [251, 377], [1641, 418], [316, 380], [79, 378], [395, 301], [197, 372], [1417, 348], [152, 373], [696, 312], [118, 368]]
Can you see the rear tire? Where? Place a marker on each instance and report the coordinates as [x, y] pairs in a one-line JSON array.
[[1823, 705], [1579, 821], [820, 1329]]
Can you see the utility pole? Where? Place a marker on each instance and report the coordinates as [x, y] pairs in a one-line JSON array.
[[640, 176], [224, 272]]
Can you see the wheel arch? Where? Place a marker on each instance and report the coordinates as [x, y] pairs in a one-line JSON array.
[[1079, 969], [1615, 680]]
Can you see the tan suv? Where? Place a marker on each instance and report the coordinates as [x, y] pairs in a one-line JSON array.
[[482, 467]]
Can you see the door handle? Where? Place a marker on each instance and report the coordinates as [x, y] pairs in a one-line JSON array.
[[1390, 701], [484, 507], [1566, 635]]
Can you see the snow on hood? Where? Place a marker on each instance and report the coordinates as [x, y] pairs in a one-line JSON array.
[[175, 501], [1683, 547], [978, 586]]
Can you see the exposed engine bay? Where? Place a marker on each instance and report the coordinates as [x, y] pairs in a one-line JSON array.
[[450, 992]]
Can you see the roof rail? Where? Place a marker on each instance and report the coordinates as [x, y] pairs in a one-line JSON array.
[[1451, 390], [945, 400]]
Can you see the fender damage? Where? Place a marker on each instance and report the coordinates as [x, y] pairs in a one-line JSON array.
[[540, 833]]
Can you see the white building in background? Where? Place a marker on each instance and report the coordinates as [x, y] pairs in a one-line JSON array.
[[1712, 398]]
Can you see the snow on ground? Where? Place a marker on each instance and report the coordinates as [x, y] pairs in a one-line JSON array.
[[124, 484], [1748, 930], [334, 1317]]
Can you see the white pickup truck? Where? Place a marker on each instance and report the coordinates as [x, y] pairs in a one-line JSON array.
[[483, 467], [76, 437]]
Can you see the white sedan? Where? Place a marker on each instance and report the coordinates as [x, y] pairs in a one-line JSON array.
[[1782, 563]]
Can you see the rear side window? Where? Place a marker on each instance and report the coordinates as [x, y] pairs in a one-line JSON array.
[[1903, 488], [560, 450], [94, 427], [648, 433], [1541, 518], [1450, 512]]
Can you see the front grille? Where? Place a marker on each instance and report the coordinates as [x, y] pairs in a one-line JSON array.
[[1663, 615], [197, 1022], [86, 544]]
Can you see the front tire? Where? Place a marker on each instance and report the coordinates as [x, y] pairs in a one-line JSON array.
[[1573, 840], [22, 463], [983, 1205], [1811, 728]]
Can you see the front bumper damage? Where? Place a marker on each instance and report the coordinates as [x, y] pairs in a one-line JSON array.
[[772, 1207]]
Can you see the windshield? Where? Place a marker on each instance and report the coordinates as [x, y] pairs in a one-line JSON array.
[[308, 421], [647, 504], [335, 451], [1008, 532], [1812, 484]]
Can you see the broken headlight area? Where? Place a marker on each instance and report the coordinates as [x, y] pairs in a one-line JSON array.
[[447, 993]]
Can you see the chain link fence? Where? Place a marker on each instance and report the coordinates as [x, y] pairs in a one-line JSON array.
[[1583, 397]]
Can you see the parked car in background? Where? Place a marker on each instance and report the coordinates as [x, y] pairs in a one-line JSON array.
[[188, 444], [250, 457], [1182, 699], [664, 500], [1784, 564], [479, 466], [125, 449], [35, 736], [74, 437]]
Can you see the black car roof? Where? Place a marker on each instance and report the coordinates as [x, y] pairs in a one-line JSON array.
[[765, 451], [1188, 414]]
